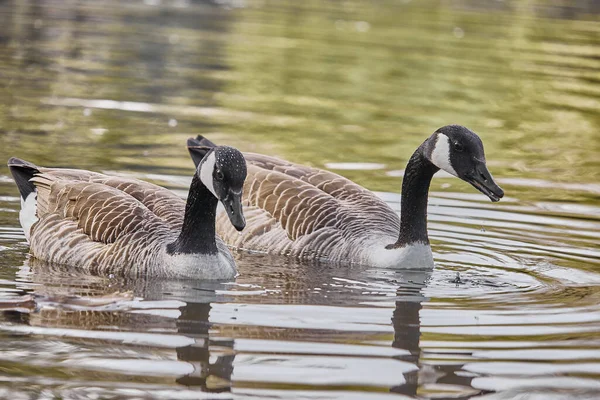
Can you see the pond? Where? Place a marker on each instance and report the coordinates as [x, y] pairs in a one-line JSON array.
[[512, 308]]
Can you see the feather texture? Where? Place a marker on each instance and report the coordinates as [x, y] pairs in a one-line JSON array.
[[309, 213], [162, 202], [106, 224]]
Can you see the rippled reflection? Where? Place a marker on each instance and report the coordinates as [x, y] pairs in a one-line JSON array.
[[317, 326], [490, 310]]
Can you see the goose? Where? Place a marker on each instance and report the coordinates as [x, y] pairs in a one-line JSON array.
[[312, 214], [105, 224]]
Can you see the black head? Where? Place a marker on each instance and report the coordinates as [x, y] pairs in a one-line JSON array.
[[223, 171], [459, 151]]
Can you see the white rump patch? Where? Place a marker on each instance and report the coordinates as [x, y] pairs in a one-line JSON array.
[[206, 172], [440, 156], [416, 255], [28, 213]]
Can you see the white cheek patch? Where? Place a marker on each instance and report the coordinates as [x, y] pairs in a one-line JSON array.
[[440, 156], [27, 215], [206, 172]]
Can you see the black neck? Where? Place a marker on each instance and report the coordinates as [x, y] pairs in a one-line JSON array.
[[415, 190], [198, 231]]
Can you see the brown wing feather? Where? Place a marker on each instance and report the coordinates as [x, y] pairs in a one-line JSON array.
[[335, 185], [94, 226], [283, 197], [163, 203], [258, 223], [286, 202], [89, 204]]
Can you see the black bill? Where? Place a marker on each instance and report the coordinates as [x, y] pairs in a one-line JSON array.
[[482, 180], [233, 207]]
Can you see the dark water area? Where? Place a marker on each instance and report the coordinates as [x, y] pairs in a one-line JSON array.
[[512, 308]]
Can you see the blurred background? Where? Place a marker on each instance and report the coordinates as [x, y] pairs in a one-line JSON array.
[[121, 85], [350, 86]]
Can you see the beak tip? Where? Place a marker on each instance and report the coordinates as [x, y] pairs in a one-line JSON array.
[[497, 195], [240, 227], [500, 193], [234, 210]]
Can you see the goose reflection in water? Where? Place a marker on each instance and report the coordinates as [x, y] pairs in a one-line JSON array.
[[170, 329], [107, 319]]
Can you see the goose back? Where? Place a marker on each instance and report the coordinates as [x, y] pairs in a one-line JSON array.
[[309, 213], [163, 203]]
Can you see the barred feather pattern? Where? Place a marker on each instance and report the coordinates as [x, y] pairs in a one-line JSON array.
[[308, 213], [163, 203], [106, 224]]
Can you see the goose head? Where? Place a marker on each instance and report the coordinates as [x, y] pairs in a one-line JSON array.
[[223, 171], [459, 151]]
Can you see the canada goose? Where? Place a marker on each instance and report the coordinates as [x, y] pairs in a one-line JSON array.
[[314, 214], [110, 224]]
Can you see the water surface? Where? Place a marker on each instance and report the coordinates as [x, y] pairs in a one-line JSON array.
[[512, 308]]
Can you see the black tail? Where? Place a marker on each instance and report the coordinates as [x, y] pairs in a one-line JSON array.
[[199, 147], [22, 171]]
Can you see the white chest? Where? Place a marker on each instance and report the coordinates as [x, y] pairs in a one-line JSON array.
[[411, 256], [199, 266], [28, 213]]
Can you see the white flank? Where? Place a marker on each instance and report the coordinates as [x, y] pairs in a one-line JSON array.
[[440, 156], [416, 255], [199, 266], [206, 172], [28, 213]]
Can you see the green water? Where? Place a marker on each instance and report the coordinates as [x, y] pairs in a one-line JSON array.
[[314, 82], [353, 86]]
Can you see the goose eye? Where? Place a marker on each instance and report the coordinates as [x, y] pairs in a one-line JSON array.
[[219, 175], [458, 147]]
